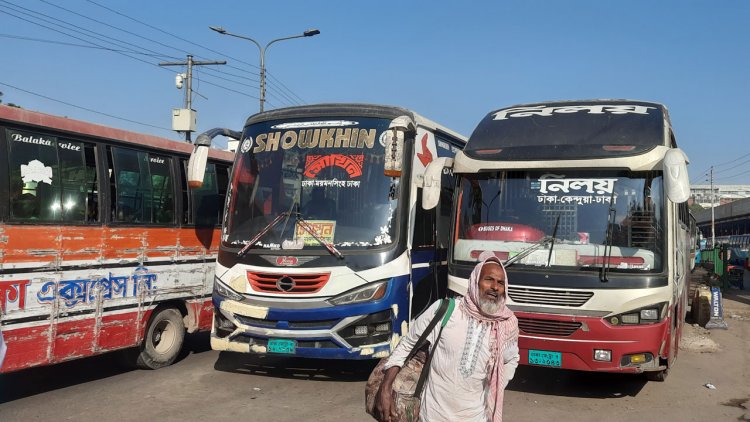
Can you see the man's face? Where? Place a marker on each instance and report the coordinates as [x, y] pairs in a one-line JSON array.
[[491, 287]]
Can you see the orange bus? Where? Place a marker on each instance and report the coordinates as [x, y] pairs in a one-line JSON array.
[[103, 246]]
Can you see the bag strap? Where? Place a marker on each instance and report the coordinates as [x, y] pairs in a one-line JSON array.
[[431, 326], [426, 369]]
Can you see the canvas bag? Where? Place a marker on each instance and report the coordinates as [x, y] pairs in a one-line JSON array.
[[408, 384]]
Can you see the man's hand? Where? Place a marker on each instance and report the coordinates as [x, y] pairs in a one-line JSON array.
[[385, 407]]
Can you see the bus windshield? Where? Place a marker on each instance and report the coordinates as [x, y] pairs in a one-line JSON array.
[[327, 172], [567, 212]]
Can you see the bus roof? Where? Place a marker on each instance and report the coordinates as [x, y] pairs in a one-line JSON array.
[[72, 126], [570, 130], [350, 109]]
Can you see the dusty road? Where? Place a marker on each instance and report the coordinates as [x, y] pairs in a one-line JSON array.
[[206, 385]]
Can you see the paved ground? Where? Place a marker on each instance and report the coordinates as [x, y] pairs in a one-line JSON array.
[[207, 385]]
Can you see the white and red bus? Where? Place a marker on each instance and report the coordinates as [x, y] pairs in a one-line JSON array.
[[586, 200], [102, 244]]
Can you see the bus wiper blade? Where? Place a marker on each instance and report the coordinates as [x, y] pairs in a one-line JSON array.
[[265, 230], [552, 241], [528, 250], [611, 213], [311, 230]]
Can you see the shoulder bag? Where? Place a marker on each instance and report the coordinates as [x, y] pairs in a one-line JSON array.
[[408, 385]]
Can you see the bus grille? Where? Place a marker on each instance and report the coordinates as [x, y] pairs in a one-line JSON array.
[[287, 283], [549, 297], [547, 327]]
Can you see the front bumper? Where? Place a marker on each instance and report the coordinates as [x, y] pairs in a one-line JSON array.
[[326, 333], [577, 345]]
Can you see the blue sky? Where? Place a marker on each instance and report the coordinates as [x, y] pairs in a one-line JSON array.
[[450, 61]]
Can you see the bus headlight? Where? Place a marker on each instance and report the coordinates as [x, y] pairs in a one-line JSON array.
[[646, 315], [223, 290], [366, 293]]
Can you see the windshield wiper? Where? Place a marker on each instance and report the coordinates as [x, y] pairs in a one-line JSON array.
[[611, 213], [302, 223], [528, 250], [552, 241]]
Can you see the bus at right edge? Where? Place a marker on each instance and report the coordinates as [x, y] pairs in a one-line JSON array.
[[586, 202]]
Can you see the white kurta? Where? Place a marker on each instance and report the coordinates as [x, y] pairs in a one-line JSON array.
[[457, 384]]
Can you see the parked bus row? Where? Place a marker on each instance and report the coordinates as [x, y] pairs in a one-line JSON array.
[[345, 221]]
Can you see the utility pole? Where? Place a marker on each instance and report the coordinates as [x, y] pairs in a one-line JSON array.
[[189, 90], [713, 198]]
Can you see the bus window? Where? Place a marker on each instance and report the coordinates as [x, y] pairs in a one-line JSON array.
[[162, 192], [142, 187], [204, 206], [51, 179]]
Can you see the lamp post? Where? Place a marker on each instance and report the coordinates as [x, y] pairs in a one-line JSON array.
[[308, 33]]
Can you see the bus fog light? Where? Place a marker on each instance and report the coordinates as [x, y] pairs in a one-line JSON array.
[[360, 330], [383, 328], [603, 355], [637, 359], [650, 314], [630, 319]]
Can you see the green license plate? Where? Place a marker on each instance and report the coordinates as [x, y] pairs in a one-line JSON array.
[[276, 345], [545, 358]]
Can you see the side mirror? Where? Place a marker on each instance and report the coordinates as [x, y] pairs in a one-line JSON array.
[[197, 166], [394, 145], [676, 180], [199, 156], [431, 182]]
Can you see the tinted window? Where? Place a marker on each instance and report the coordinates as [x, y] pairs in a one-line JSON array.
[[568, 130], [142, 187], [51, 179], [205, 204]]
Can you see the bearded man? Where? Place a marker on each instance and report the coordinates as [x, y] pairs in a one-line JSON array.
[[474, 359]]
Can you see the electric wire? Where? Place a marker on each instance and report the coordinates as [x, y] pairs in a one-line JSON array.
[[77, 29], [130, 51], [151, 40], [72, 44], [126, 54], [193, 43], [732, 176], [83, 108]]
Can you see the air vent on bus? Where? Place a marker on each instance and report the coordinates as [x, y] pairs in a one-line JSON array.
[[547, 327], [549, 297]]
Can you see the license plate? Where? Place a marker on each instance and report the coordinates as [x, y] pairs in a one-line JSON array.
[[545, 358], [281, 346]]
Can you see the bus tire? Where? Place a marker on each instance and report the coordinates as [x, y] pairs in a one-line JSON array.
[[658, 376], [163, 339]]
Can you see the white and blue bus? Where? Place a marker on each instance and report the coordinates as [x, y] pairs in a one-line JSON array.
[[326, 251]]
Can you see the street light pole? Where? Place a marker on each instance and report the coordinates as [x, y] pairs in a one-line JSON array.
[[262, 49]]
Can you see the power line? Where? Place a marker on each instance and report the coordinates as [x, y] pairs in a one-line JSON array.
[[734, 175], [126, 54], [153, 41], [78, 38], [83, 108], [73, 44], [285, 87], [729, 162], [188, 41], [734, 167], [70, 27]]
